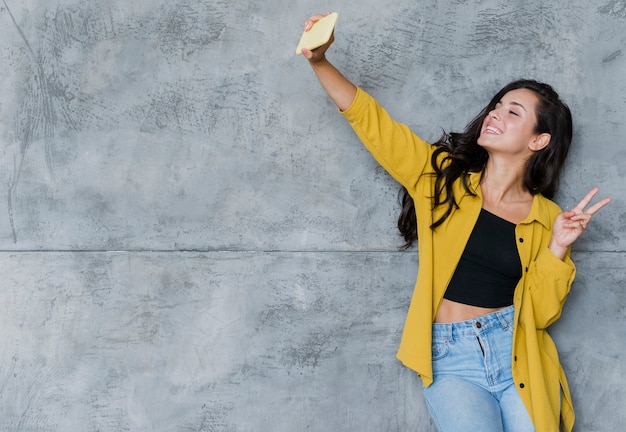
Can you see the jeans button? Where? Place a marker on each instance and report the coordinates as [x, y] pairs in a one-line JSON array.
[[478, 324]]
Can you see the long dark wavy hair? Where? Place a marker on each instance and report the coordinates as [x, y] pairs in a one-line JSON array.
[[458, 154]]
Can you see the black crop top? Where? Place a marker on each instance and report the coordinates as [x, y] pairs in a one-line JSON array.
[[490, 267]]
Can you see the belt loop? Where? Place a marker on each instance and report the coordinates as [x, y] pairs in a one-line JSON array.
[[449, 332], [506, 317]]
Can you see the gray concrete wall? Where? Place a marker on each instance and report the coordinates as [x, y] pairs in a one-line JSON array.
[[192, 239]]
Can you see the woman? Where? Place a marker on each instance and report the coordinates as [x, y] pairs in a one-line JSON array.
[[494, 264]]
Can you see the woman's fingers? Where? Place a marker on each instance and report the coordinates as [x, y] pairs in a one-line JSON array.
[[597, 206], [311, 21], [578, 218], [580, 207]]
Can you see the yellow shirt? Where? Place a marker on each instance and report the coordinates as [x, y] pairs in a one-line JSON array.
[[539, 295]]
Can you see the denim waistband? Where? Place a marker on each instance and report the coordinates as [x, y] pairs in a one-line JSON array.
[[502, 318]]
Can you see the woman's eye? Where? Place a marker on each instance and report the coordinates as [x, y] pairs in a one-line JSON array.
[[514, 113]]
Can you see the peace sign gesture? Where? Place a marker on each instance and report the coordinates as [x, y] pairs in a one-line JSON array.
[[570, 224]]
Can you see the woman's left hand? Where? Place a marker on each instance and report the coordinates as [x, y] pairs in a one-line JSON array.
[[570, 224]]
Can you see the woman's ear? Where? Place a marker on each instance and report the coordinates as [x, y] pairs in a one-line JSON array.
[[540, 141]]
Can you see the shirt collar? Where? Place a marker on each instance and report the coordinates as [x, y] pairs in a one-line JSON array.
[[539, 210]]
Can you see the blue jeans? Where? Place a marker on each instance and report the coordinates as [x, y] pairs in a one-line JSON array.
[[473, 389]]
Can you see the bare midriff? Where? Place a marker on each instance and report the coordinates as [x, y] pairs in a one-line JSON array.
[[451, 311]]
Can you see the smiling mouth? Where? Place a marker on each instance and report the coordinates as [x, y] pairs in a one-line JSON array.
[[493, 130]]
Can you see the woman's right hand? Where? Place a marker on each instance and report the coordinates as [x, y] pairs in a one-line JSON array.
[[317, 54]]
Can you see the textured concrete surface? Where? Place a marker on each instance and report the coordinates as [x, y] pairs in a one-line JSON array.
[[192, 239]]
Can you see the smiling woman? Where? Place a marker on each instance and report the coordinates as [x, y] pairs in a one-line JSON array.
[[494, 251], [511, 118]]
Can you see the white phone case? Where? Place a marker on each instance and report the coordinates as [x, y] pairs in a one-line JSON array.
[[319, 34]]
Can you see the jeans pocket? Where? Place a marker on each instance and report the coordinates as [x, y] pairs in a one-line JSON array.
[[440, 350]]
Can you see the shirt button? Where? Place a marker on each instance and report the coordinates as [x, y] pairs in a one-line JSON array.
[[522, 385], [521, 240], [478, 324]]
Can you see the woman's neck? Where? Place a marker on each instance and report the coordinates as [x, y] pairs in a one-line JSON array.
[[503, 191], [504, 181]]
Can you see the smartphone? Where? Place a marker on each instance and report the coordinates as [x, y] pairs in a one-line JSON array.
[[319, 34]]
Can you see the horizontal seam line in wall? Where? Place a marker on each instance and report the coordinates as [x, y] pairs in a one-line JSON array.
[[202, 251], [410, 251]]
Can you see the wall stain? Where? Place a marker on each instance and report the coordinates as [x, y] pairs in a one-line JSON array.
[[308, 352], [45, 104], [612, 56], [40, 119], [185, 29], [615, 8]]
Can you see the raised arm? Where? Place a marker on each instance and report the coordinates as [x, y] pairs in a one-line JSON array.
[[397, 149], [339, 88]]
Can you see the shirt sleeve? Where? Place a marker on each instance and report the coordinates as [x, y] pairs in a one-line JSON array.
[[403, 154], [550, 281]]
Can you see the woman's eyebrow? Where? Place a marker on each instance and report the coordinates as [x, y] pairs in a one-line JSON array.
[[500, 102], [518, 104]]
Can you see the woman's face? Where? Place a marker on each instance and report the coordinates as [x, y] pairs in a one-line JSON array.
[[510, 126]]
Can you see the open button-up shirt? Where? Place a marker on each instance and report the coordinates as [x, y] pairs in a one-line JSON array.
[[539, 295]]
